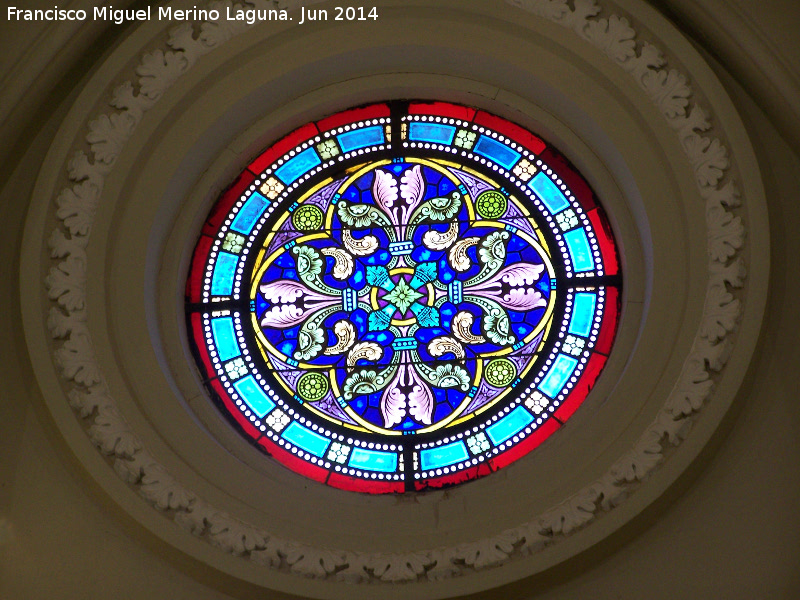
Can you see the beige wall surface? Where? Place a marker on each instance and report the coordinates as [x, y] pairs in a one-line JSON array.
[[730, 528]]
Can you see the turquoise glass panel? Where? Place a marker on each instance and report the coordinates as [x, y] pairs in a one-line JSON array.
[[224, 271], [304, 438], [250, 212], [548, 192], [582, 314], [509, 426], [255, 397], [361, 138], [558, 375], [372, 460], [579, 250], [432, 132], [497, 152], [301, 164], [225, 338], [443, 456]]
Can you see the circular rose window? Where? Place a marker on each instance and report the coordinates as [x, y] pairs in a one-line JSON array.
[[403, 296]]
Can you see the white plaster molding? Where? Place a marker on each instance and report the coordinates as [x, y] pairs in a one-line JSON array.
[[66, 285]]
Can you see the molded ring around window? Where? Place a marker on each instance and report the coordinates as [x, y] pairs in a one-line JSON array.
[[108, 344]]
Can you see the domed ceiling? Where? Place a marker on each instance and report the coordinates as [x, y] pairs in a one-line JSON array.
[[187, 134]]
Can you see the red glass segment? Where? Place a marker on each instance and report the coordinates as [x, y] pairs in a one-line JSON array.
[[293, 462], [194, 283], [442, 109], [517, 451], [244, 423], [370, 486], [277, 150], [374, 111], [608, 328], [602, 229], [224, 205], [582, 387], [575, 182], [515, 132]]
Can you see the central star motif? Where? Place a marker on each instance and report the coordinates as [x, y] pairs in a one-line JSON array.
[[403, 296]]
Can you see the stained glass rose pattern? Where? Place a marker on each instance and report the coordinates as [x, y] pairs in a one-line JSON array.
[[403, 293], [403, 296]]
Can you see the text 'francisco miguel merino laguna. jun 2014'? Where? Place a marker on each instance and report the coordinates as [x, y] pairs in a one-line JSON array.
[[167, 13]]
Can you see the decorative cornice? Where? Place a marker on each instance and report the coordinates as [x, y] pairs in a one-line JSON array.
[[109, 431]]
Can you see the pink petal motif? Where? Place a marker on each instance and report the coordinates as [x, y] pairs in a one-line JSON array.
[[521, 274], [412, 187], [523, 299], [420, 400], [283, 316], [283, 291], [515, 275], [393, 401], [521, 277], [384, 190]]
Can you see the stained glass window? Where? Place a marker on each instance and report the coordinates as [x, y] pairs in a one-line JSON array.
[[403, 296]]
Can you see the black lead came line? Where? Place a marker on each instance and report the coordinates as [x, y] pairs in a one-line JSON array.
[[434, 362], [572, 284], [263, 232], [232, 304]]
